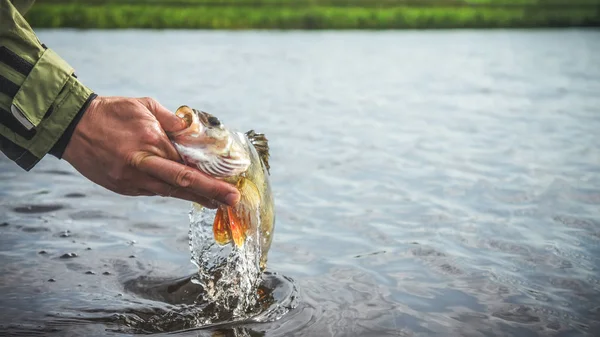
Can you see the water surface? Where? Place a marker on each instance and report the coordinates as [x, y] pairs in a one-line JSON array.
[[426, 183]]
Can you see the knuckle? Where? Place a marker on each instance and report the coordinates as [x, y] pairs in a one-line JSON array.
[[135, 159], [184, 178], [150, 102], [151, 138], [126, 107], [128, 103]]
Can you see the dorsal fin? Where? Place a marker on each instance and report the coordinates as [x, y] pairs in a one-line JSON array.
[[261, 144]]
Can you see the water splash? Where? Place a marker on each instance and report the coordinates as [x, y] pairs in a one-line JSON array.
[[229, 275], [229, 289]]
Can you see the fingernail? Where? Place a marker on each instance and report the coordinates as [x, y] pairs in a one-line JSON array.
[[232, 198]]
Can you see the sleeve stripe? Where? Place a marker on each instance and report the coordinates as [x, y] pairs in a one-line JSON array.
[[14, 61], [8, 120], [19, 155], [8, 87]]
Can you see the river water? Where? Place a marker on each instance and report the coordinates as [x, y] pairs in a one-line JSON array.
[[426, 183]]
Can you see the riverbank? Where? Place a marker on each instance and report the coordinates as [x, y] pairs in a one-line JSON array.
[[309, 14]]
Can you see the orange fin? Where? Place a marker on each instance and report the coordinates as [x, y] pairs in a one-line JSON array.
[[237, 226], [220, 230]]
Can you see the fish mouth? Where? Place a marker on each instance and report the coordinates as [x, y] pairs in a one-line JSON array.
[[192, 119], [195, 121]]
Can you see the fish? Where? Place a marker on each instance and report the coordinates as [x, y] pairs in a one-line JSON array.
[[241, 159]]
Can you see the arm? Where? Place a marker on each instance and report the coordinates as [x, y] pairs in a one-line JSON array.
[[40, 98], [116, 142]]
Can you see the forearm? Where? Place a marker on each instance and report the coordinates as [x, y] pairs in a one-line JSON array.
[[40, 98]]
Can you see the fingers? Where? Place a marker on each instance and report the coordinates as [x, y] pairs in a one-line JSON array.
[[168, 120], [153, 186], [186, 178], [169, 151]]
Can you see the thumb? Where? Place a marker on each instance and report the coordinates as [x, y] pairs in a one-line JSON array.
[[168, 120]]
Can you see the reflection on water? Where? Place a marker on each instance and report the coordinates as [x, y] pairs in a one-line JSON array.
[[427, 183]]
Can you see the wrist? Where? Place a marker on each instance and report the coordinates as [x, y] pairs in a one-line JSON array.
[[61, 144]]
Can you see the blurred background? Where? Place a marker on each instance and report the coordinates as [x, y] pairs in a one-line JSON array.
[[315, 14]]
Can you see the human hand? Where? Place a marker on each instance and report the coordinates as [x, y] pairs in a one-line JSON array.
[[120, 143]]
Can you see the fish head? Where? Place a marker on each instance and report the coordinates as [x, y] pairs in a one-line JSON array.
[[205, 143]]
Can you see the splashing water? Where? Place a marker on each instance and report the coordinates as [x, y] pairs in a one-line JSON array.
[[229, 275], [229, 287]]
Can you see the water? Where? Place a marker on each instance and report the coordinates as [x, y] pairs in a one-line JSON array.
[[229, 276], [427, 183]]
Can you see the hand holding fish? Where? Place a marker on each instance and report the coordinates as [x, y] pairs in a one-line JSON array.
[[120, 143]]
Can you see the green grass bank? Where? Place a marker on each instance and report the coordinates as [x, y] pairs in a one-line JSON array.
[[314, 14]]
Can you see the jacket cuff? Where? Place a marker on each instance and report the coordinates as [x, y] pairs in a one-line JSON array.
[[66, 107], [59, 119], [40, 89], [59, 148]]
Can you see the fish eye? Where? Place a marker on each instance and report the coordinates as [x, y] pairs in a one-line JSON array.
[[213, 121]]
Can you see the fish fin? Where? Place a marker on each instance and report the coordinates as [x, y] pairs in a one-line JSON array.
[[261, 144], [220, 227], [242, 216], [232, 223], [238, 226]]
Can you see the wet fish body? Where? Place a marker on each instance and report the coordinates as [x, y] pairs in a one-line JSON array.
[[241, 159]]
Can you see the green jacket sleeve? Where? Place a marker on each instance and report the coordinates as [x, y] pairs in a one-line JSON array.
[[41, 99]]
